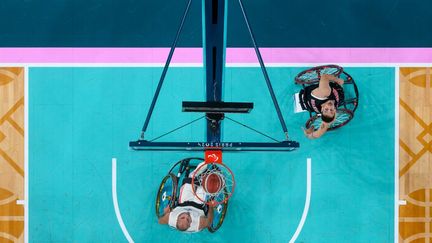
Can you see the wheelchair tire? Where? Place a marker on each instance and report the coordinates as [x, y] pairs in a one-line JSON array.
[[166, 195], [313, 75], [217, 222]]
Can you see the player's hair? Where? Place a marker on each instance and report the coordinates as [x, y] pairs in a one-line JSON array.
[[327, 119]]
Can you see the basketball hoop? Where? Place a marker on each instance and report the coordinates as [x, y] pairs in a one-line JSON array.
[[214, 183]]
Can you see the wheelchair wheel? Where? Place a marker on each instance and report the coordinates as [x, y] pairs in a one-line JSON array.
[[166, 195], [219, 213], [313, 75], [219, 216], [351, 93], [342, 118]]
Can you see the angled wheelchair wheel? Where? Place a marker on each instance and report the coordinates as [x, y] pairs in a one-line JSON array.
[[219, 213], [313, 75], [166, 195], [342, 118], [351, 93]]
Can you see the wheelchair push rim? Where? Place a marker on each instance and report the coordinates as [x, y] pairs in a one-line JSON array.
[[166, 194]]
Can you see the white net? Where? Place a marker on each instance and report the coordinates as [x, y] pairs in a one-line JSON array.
[[221, 185]]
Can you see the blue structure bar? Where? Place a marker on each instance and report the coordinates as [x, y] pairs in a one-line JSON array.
[[264, 71], [224, 146], [214, 44], [165, 70], [214, 17]]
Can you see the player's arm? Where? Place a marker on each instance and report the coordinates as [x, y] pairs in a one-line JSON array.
[[311, 134], [205, 222], [325, 80], [323, 86], [164, 219]]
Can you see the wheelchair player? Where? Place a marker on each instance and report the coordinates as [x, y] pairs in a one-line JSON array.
[[330, 95], [322, 98], [188, 213]]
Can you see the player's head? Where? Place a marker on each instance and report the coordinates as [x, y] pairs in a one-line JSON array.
[[183, 221], [328, 111]]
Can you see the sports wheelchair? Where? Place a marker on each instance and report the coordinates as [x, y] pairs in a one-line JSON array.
[[168, 192], [346, 108]]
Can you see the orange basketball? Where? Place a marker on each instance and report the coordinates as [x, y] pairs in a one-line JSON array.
[[212, 183]]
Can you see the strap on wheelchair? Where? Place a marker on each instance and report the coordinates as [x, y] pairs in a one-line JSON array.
[[188, 180], [203, 207], [301, 98]]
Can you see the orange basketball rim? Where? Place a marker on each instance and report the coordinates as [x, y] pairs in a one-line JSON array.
[[214, 181]]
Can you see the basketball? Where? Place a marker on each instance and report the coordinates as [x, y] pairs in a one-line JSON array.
[[212, 183]]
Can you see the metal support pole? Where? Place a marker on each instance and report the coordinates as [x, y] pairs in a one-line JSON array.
[[214, 45], [162, 78], [263, 68]]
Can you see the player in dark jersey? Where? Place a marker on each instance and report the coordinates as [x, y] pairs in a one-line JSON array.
[[322, 98]]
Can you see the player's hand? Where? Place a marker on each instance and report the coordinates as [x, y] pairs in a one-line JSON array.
[[308, 131], [167, 209], [212, 203], [340, 81], [333, 78], [327, 76]]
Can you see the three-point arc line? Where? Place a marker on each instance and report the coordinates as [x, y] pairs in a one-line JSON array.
[[115, 202], [293, 238], [307, 201]]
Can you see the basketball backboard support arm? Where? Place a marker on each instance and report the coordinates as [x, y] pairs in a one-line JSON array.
[[214, 47], [165, 70], [264, 71]]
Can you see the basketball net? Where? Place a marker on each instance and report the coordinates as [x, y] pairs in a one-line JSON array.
[[213, 167]]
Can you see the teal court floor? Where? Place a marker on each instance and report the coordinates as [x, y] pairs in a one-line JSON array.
[[81, 117]]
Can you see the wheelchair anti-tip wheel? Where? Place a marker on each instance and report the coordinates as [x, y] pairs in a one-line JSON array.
[[166, 195]]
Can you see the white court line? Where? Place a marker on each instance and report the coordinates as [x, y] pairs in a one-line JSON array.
[[268, 64], [115, 202], [396, 158], [311, 64], [229, 64], [307, 201], [26, 155]]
